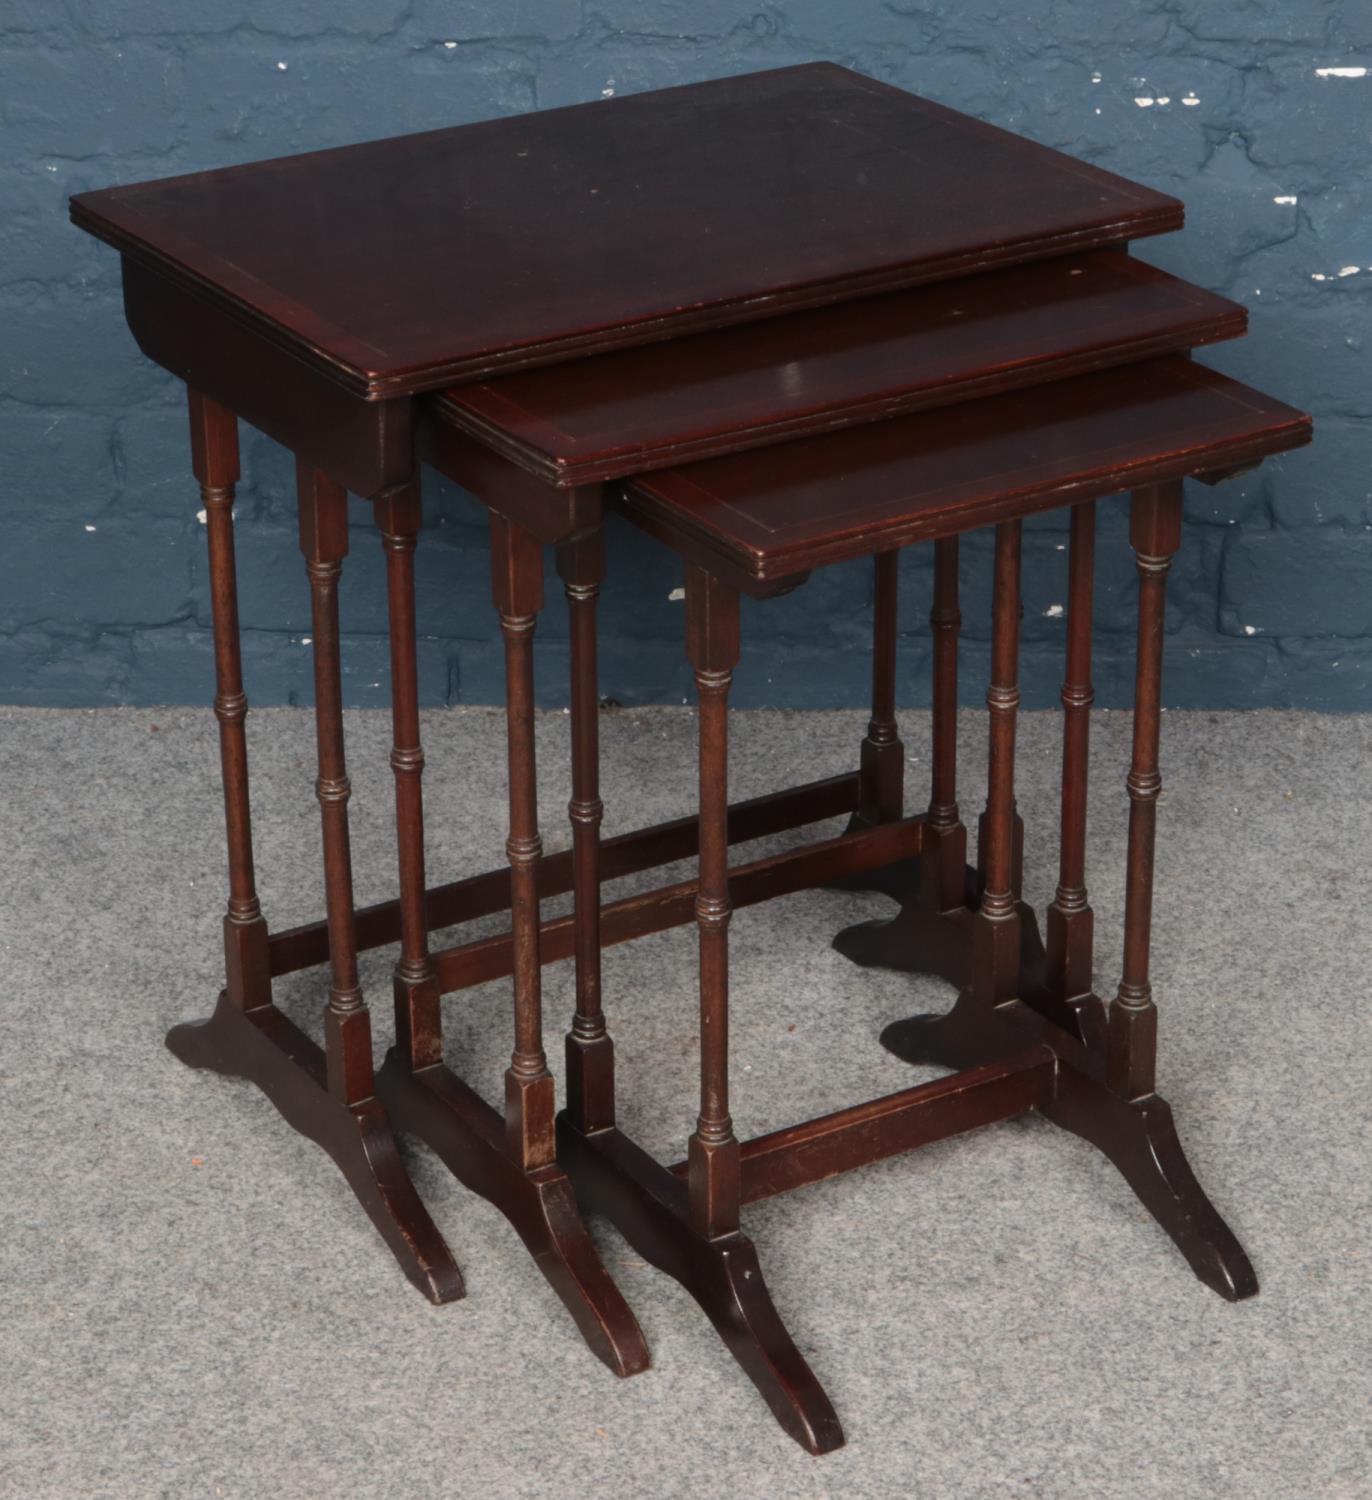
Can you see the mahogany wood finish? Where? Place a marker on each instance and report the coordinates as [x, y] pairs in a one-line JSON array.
[[883, 755], [483, 895], [933, 931], [326, 1095], [1155, 535], [436, 1106], [323, 512], [762, 517], [1138, 1135], [858, 361], [365, 445], [517, 577], [930, 933], [814, 183], [1070, 923], [590, 1052], [995, 932], [712, 644], [1025, 1034], [418, 1018], [1059, 366], [214, 458], [484, 959], [945, 623], [510, 1160], [864, 1133], [651, 1208]]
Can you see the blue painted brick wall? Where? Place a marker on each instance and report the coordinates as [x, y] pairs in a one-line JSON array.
[[1258, 113]]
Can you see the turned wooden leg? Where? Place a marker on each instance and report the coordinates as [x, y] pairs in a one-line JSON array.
[[418, 1017], [1104, 1088], [509, 1158], [326, 1095], [214, 457], [712, 634], [691, 1229], [881, 789], [944, 861], [1070, 921], [936, 930], [987, 834], [883, 755], [1155, 535], [995, 932], [517, 577], [930, 935], [590, 1052], [347, 1024]]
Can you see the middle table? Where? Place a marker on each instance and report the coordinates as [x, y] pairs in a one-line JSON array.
[[544, 451]]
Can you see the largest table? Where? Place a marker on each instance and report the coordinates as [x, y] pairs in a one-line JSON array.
[[319, 297]]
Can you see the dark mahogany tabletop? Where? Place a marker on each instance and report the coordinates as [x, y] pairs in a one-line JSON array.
[[403, 265], [772, 513], [634, 410]]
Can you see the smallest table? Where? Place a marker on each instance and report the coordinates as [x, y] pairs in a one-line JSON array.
[[757, 523]]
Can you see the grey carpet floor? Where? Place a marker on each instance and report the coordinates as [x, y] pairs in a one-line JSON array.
[[194, 1306]]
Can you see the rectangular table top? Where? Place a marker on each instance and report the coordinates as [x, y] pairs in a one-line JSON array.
[[772, 513], [698, 397], [403, 265]]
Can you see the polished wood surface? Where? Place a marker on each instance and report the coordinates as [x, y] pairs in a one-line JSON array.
[[1070, 922], [888, 256], [858, 361], [589, 1050], [770, 514], [417, 1012], [214, 459], [995, 932], [1155, 535], [829, 1145], [404, 264], [324, 1093], [294, 948]]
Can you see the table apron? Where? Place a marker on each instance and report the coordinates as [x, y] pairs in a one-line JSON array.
[[365, 446]]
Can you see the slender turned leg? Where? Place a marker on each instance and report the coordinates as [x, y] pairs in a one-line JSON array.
[[1070, 920], [995, 932], [882, 766], [1155, 535], [989, 832], [690, 1229], [418, 1019], [214, 456], [1106, 1099], [510, 1160], [347, 1023], [327, 1095], [946, 853], [883, 755], [712, 634], [933, 932], [590, 1052], [989, 962], [517, 573]]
